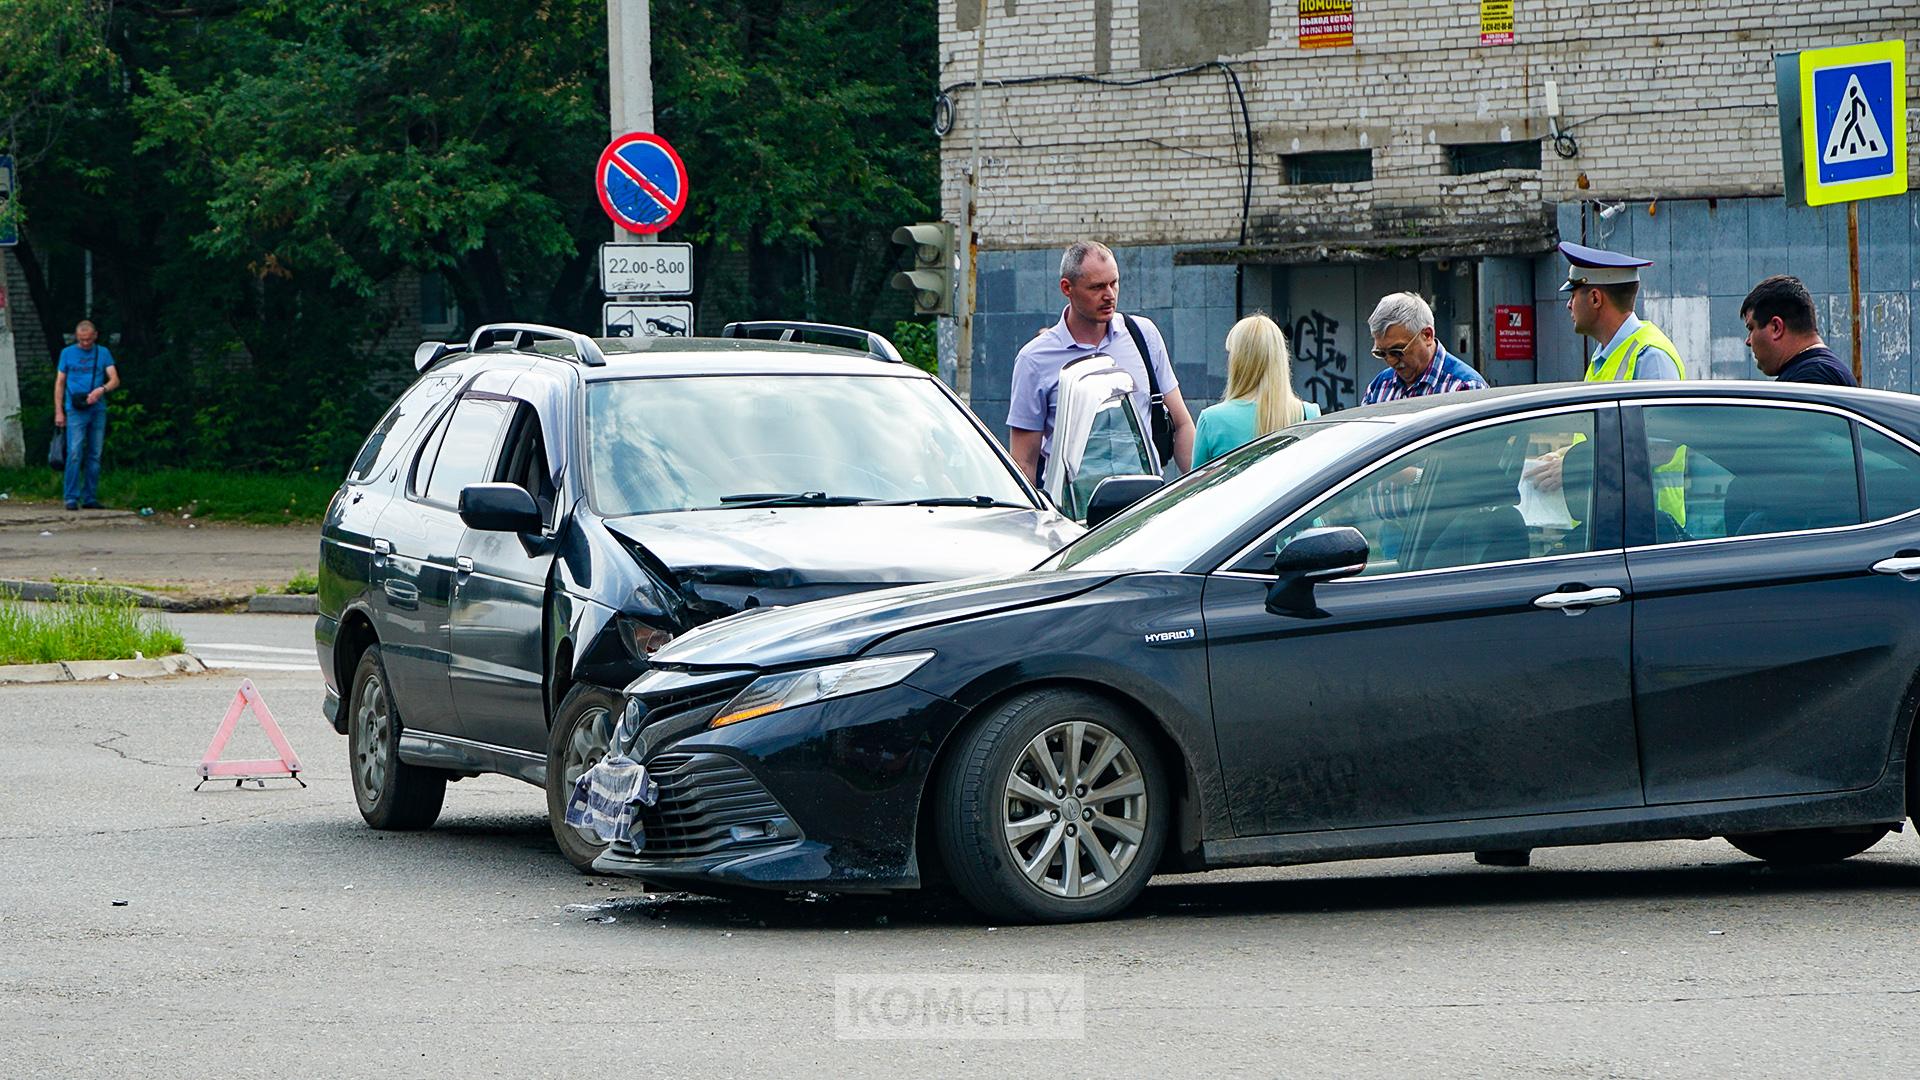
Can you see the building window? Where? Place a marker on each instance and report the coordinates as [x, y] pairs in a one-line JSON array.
[[1330, 167], [438, 311], [1469, 158]]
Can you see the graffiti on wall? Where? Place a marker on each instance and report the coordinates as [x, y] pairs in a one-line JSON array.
[[1328, 383]]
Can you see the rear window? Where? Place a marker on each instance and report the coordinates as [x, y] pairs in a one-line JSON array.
[[394, 429]]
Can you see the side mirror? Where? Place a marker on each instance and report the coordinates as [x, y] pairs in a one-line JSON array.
[[499, 508], [1116, 493], [1313, 556]]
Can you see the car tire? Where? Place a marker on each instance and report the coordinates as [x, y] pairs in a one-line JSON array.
[[582, 730], [1007, 841], [1809, 847], [392, 795]]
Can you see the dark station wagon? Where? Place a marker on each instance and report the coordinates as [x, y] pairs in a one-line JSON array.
[[540, 512]]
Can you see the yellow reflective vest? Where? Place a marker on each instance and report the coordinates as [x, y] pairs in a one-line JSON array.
[[1620, 363], [1670, 479]]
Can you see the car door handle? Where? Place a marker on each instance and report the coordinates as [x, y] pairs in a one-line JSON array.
[[1907, 566], [403, 595], [463, 565], [383, 547], [1573, 602]]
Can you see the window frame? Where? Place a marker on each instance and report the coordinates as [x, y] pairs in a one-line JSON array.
[[417, 485], [1293, 163], [526, 427], [1461, 155], [1609, 496], [1639, 488]]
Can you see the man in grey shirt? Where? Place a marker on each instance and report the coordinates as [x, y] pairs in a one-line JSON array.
[[1090, 323]]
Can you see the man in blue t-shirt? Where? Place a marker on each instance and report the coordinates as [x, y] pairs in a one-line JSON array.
[[86, 375]]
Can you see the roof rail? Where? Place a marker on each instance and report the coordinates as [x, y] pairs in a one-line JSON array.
[[869, 342], [521, 335]]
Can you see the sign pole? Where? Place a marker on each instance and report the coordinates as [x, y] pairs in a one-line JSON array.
[[963, 337], [1853, 280], [629, 76]]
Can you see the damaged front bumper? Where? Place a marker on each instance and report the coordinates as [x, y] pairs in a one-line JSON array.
[[823, 796]]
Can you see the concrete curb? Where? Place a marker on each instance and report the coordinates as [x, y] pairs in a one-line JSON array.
[[283, 604], [45, 592], [87, 670]]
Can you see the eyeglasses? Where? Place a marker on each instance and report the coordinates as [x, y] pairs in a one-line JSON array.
[[1394, 354]]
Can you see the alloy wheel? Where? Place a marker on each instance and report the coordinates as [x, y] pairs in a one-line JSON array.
[[591, 736], [375, 721], [1074, 809]]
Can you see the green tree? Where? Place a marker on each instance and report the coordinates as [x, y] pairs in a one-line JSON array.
[[252, 179]]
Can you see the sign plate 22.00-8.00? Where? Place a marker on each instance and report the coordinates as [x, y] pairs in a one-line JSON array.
[[646, 269]]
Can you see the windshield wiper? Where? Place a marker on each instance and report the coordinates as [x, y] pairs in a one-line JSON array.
[[750, 499], [982, 501]]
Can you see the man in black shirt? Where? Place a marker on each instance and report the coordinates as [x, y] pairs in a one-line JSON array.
[[1784, 337]]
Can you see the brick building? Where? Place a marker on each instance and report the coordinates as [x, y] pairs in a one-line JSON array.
[[1415, 157]]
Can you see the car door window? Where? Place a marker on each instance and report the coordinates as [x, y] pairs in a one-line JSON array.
[[524, 461], [1743, 470], [1518, 490], [399, 424], [1114, 447], [1893, 475], [464, 449]]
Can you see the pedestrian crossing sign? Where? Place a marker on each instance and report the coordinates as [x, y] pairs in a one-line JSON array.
[[1853, 109]]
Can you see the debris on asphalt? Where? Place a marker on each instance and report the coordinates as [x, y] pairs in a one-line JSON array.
[[46, 532], [119, 903], [146, 511], [1716, 933], [601, 919]]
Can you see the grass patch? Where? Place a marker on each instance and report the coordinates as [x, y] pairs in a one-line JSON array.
[[304, 583], [81, 627], [255, 498]]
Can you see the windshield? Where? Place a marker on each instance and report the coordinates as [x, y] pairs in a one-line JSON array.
[[703, 442], [1171, 528]]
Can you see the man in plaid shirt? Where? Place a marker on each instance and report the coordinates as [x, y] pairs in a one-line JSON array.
[[1417, 364]]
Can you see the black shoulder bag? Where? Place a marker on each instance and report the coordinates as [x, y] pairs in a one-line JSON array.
[[79, 400], [1158, 418]]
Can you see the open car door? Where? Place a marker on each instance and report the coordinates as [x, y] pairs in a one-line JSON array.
[[1097, 433]]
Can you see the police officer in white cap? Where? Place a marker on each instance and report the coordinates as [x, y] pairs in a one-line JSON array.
[[1601, 288]]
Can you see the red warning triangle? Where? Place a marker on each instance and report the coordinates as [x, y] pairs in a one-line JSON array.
[[286, 766]]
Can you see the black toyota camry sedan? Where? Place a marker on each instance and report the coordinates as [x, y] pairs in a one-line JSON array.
[[1478, 622], [540, 512]]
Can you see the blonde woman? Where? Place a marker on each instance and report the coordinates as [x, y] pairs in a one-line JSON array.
[[1260, 395]]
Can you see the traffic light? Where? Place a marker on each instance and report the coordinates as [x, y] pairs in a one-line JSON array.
[[931, 279]]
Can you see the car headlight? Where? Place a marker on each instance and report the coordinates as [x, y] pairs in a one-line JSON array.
[[632, 717], [771, 693]]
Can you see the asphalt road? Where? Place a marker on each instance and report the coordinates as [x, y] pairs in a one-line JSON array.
[[267, 932]]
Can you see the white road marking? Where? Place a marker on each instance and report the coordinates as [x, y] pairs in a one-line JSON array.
[[255, 665], [228, 646]]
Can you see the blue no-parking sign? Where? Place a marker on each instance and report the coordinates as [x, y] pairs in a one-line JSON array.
[[642, 182], [1850, 107]]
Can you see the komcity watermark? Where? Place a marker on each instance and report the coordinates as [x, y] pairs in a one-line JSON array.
[[926, 1006]]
